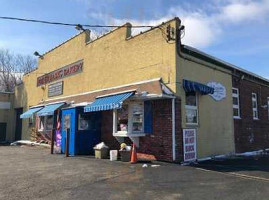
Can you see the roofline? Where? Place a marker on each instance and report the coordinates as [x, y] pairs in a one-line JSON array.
[[228, 65]]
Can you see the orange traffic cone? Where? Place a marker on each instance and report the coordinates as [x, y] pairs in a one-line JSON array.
[[134, 155]]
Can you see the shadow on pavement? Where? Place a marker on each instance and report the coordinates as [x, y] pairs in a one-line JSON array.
[[257, 163]]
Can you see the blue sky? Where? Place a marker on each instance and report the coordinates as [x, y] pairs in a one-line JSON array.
[[236, 31]]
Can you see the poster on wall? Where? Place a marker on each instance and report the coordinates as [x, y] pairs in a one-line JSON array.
[[219, 90], [58, 135], [189, 145]]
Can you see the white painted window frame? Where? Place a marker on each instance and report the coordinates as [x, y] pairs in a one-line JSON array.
[[188, 107], [238, 105], [254, 100]]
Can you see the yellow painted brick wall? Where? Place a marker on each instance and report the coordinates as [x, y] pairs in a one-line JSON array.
[[111, 60]]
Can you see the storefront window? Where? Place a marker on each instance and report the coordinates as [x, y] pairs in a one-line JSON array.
[[45, 123], [49, 122], [122, 118], [130, 118], [85, 122], [137, 112], [41, 123], [191, 108]]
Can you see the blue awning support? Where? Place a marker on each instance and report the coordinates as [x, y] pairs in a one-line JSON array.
[[49, 109], [108, 103], [191, 86], [29, 113]]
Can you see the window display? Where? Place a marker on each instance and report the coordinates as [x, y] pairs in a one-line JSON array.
[[122, 118]]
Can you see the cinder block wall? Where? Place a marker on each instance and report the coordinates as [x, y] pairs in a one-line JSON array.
[[251, 134]]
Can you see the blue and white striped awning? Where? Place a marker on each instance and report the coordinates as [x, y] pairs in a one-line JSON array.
[[191, 86], [108, 103], [49, 109], [29, 113]]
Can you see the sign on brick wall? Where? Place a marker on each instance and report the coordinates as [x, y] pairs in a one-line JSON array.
[[55, 89], [61, 73], [189, 142]]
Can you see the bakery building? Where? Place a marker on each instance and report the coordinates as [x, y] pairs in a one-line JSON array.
[[173, 101]]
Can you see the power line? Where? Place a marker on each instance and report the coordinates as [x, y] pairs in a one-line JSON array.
[[68, 24]]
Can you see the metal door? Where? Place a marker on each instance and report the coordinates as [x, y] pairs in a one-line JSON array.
[[89, 131], [69, 121], [18, 128]]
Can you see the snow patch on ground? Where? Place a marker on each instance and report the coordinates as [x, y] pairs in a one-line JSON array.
[[28, 142]]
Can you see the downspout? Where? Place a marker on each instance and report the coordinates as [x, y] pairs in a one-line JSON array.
[[173, 130]]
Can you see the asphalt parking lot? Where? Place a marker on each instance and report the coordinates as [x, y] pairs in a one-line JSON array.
[[32, 173]]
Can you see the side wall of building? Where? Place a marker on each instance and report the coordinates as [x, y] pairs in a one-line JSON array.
[[215, 129], [251, 134]]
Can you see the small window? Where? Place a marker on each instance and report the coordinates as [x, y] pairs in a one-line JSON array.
[[191, 108], [255, 106], [236, 108], [85, 122], [66, 123]]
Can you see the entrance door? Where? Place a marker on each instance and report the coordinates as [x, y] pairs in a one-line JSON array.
[[89, 131], [3, 128], [68, 121], [18, 129]]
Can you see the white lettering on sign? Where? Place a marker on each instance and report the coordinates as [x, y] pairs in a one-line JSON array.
[[219, 90], [189, 142]]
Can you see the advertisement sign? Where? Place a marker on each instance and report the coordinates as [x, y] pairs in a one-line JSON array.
[[55, 89], [219, 90], [189, 145], [61, 73]]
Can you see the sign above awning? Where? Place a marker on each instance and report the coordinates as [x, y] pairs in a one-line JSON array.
[[191, 86], [49, 109], [29, 113], [108, 102]]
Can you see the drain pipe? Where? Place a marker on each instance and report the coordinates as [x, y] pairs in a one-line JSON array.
[[173, 130]]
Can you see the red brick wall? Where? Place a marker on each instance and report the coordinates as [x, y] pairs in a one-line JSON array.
[[159, 143], [251, 134]]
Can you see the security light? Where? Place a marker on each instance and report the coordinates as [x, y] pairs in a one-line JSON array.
[[38, 55]]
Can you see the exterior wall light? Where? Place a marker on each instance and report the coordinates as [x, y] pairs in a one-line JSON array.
[[38, 55]]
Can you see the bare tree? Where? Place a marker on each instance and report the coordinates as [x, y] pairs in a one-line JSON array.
[[12, 68]]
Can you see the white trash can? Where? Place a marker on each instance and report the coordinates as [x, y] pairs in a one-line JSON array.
[[113, 155]]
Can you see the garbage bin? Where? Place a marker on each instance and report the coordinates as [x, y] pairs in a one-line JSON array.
[[101, 153], [125, 155]]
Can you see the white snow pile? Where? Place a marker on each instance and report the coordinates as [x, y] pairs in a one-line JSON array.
[[28, 142]]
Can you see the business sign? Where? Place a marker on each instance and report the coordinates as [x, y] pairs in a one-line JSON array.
[[219, 90], [55, 89], [189, 144], [61, 73]]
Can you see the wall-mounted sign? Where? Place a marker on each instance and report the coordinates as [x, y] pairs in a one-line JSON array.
[[61, 73], [189, 142], [219, 90], [55, 89]]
